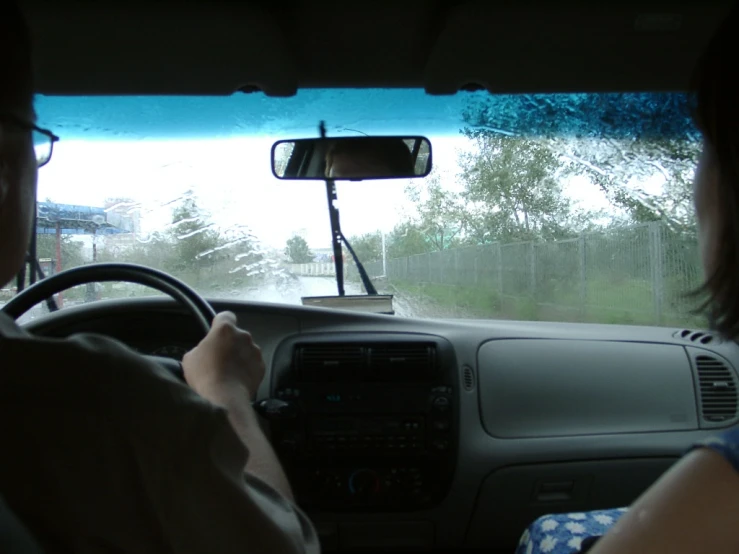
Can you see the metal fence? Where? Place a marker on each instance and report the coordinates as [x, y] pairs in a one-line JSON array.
[[644, 270]]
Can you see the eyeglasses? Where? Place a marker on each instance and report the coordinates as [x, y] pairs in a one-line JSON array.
[[43, 139]]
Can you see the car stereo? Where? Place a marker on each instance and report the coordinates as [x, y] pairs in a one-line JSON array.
[[372, 422]]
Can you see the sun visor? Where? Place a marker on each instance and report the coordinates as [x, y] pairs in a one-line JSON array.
[[600, 47], [186, 48]]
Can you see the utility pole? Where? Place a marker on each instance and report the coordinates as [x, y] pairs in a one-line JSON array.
[[384, 256]]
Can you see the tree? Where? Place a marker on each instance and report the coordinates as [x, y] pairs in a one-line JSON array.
[[72, 255], [512, 190], [156, 252], [440, 215], [367, 247], [194, 240], [614, 139], [406, 239], [297, 250], [611, 171]]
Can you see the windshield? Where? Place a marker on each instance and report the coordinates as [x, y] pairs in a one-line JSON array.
[[561, 207]]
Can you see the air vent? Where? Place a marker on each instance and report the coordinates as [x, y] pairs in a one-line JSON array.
[[718, 390], [325, 362], [402, 361], [468, 378], [697, 337]]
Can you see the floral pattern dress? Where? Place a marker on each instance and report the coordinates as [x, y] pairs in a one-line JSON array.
[[572, 533]]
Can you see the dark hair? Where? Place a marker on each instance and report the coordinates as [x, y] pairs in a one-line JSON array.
[[16, 89], [392, 152], [717, 117]]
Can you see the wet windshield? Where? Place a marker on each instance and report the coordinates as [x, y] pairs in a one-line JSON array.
[[539, 207]]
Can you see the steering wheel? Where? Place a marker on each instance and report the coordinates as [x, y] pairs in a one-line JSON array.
[[129, 273]]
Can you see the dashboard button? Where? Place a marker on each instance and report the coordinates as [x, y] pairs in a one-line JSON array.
[[441, 402], [440, 444]]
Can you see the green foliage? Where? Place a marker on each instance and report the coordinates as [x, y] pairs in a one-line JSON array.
[[440, 300], [72, 255], [440, 214], [612, 139], [406, 239], [511, 190], [194, 241], [610, 169], [195, 251], [368, 247], [157, 252], [297, 250]]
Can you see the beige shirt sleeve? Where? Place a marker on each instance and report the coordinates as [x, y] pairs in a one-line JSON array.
[[136, 457], [192, 463], [210, 505]]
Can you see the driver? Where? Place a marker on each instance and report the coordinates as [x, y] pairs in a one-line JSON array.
[[102, 450], [377, 157]]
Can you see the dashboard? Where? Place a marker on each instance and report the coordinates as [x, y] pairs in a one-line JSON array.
[[423, 435]]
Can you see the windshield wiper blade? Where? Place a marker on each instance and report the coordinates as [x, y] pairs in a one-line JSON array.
[[366, 281], [337, 237]]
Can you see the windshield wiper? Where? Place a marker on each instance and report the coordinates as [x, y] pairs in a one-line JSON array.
[[337, 237]]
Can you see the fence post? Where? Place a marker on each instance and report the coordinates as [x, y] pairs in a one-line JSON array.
[[583, 273], [457, 280], [532, 254], [499, 250], [476, 278], [655, 259]]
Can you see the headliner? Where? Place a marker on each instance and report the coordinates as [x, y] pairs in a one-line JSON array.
[[118, 47]]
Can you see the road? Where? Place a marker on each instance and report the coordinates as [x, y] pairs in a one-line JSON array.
[[291, 291]]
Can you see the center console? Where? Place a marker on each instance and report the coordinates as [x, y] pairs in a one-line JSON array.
[[372, 423]]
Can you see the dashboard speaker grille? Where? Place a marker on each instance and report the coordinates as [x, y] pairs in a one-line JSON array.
[[698, 337], [718, 390]]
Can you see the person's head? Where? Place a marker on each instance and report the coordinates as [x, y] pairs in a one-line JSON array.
[[716, 185], [18, 164], [369, 157]]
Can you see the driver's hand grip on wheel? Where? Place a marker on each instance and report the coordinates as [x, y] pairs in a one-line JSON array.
[[226, 357]]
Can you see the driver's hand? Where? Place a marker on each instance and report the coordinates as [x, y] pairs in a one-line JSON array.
[[226, 357]]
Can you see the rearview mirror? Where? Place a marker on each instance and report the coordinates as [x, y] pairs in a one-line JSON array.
[[352, 158]]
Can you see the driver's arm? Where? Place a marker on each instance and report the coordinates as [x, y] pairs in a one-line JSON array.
[[204, 461], [262, 461], [190, 457], [226, 368], [216, 507]]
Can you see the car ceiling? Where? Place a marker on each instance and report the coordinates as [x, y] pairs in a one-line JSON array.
[[214, 47]]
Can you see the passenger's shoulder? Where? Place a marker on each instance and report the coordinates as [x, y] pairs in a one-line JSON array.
[[726, 444]]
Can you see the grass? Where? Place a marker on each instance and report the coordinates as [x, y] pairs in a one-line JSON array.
[[626, 302]]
